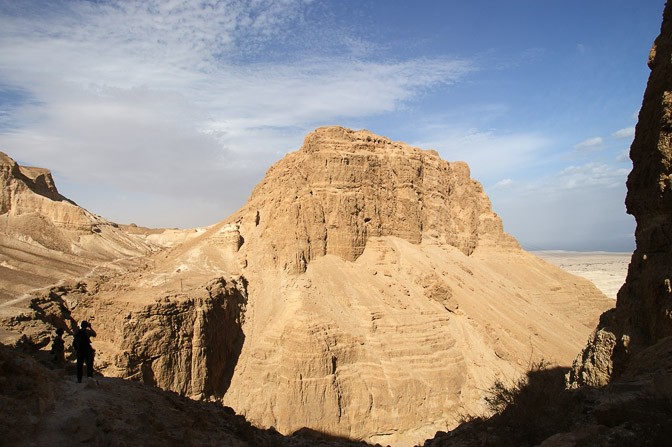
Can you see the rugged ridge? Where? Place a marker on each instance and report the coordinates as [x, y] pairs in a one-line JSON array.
[[346, 186], [380, 298], [643, 314], [45, 237]]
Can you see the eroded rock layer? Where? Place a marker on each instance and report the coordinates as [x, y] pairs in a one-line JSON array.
[[345, 186], [370, 292], [45, 237]]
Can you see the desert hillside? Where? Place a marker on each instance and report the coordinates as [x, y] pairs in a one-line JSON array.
[[46, 238], [366, 290]]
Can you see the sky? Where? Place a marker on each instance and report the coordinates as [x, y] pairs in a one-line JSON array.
[[166, 113]]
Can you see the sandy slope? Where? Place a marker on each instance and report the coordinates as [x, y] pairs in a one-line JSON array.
[[392, 346]]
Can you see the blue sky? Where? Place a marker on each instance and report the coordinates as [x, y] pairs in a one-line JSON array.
[[167, 113]]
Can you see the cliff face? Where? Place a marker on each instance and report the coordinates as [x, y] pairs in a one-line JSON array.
[[643, 313], [383, 294], [380, 298], [16, 180], [45, 237], [344, 187], [180, 342], [31, 191]]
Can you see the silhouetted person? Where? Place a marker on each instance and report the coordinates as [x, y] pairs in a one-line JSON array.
[[84, 350], [58, 348]]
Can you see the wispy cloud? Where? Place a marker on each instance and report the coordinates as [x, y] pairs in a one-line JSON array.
[[176, 98], [591, 174], [504, 184], [627, 132], [589, 145], [489, 154]]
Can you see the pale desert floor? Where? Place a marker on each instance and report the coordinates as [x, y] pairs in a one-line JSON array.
[[607, 270]]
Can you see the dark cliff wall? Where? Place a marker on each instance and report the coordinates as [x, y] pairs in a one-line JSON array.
[[643, 313]]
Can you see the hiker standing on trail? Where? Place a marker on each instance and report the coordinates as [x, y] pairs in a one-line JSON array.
[[84, 350], [58, 348]]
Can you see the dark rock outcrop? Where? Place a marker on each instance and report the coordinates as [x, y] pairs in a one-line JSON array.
[[643, 313]]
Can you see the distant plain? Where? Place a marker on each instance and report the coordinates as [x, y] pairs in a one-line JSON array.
[[607, 270]]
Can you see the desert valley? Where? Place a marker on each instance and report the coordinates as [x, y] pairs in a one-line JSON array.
[[366, 286], [366, 293]]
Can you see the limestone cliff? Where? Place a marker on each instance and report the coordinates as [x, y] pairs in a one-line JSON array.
[[380, 298], [345, 186], [17, 179], [383, 295], [45, 237], [29, 191], [643, 313]]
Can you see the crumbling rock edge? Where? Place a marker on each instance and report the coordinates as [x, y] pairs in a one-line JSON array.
[[187, 343]]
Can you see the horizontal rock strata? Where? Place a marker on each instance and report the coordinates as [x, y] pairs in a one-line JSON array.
[[381, 297], [343, 187], [46, 238]]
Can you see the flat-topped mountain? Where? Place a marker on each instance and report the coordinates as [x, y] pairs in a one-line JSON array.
[[344, 187], [366, 290]]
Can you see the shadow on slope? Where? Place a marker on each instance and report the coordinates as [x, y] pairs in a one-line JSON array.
[[539, 410], [45, 407]]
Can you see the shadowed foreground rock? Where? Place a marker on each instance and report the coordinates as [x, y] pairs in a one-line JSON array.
[[42, 407]]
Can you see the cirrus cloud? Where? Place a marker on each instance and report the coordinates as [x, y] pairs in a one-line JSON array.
[[626, 132], [174, 98], [589, 145]]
